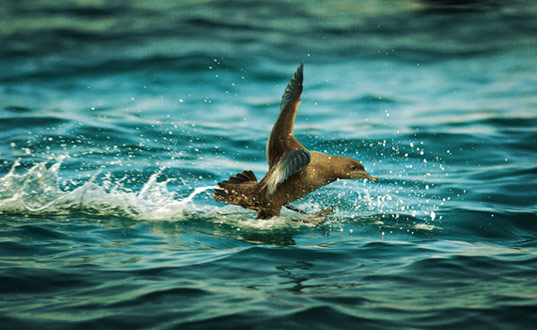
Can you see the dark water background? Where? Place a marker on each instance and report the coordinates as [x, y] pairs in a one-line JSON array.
[[117, 118]]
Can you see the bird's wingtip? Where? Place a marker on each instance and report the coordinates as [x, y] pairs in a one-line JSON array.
[[299, 73]]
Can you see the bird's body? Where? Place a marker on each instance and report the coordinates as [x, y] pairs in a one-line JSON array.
[[293, 172]]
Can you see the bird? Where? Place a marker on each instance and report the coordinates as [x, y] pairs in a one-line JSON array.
[[294, 171]]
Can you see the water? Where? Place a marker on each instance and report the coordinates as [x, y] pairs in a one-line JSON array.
[[118, 117]]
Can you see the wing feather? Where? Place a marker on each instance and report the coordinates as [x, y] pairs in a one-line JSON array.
[[288, 165], [282, 138]]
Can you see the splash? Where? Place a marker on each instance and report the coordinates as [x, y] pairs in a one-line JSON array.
[[38, 192]]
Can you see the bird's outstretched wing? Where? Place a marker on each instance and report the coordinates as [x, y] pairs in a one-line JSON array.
[[282, 139], [288, 165]]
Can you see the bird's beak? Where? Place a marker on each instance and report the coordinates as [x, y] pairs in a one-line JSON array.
[[372, 178]]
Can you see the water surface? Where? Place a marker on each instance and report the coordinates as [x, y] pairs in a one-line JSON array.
[[117, 119]]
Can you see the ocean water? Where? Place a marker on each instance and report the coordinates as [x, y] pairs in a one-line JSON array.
[[118, 117]]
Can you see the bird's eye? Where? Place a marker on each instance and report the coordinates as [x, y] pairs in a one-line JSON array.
[[353, 167]]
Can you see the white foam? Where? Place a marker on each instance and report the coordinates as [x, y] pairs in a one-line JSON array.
[[38, 192], [424, 226]]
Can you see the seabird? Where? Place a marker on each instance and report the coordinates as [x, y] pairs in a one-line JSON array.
[[293, 171]]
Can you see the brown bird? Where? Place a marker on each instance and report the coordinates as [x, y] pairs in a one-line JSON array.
[[293, 171]]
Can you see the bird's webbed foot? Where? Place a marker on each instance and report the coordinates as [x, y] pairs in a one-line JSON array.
[[316, 218]]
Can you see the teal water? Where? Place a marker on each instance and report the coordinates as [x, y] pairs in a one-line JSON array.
[[117, 118]]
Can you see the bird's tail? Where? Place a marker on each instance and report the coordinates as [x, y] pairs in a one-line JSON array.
[[240, 189]]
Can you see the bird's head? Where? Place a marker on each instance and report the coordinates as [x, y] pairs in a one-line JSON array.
[[350, 168]]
